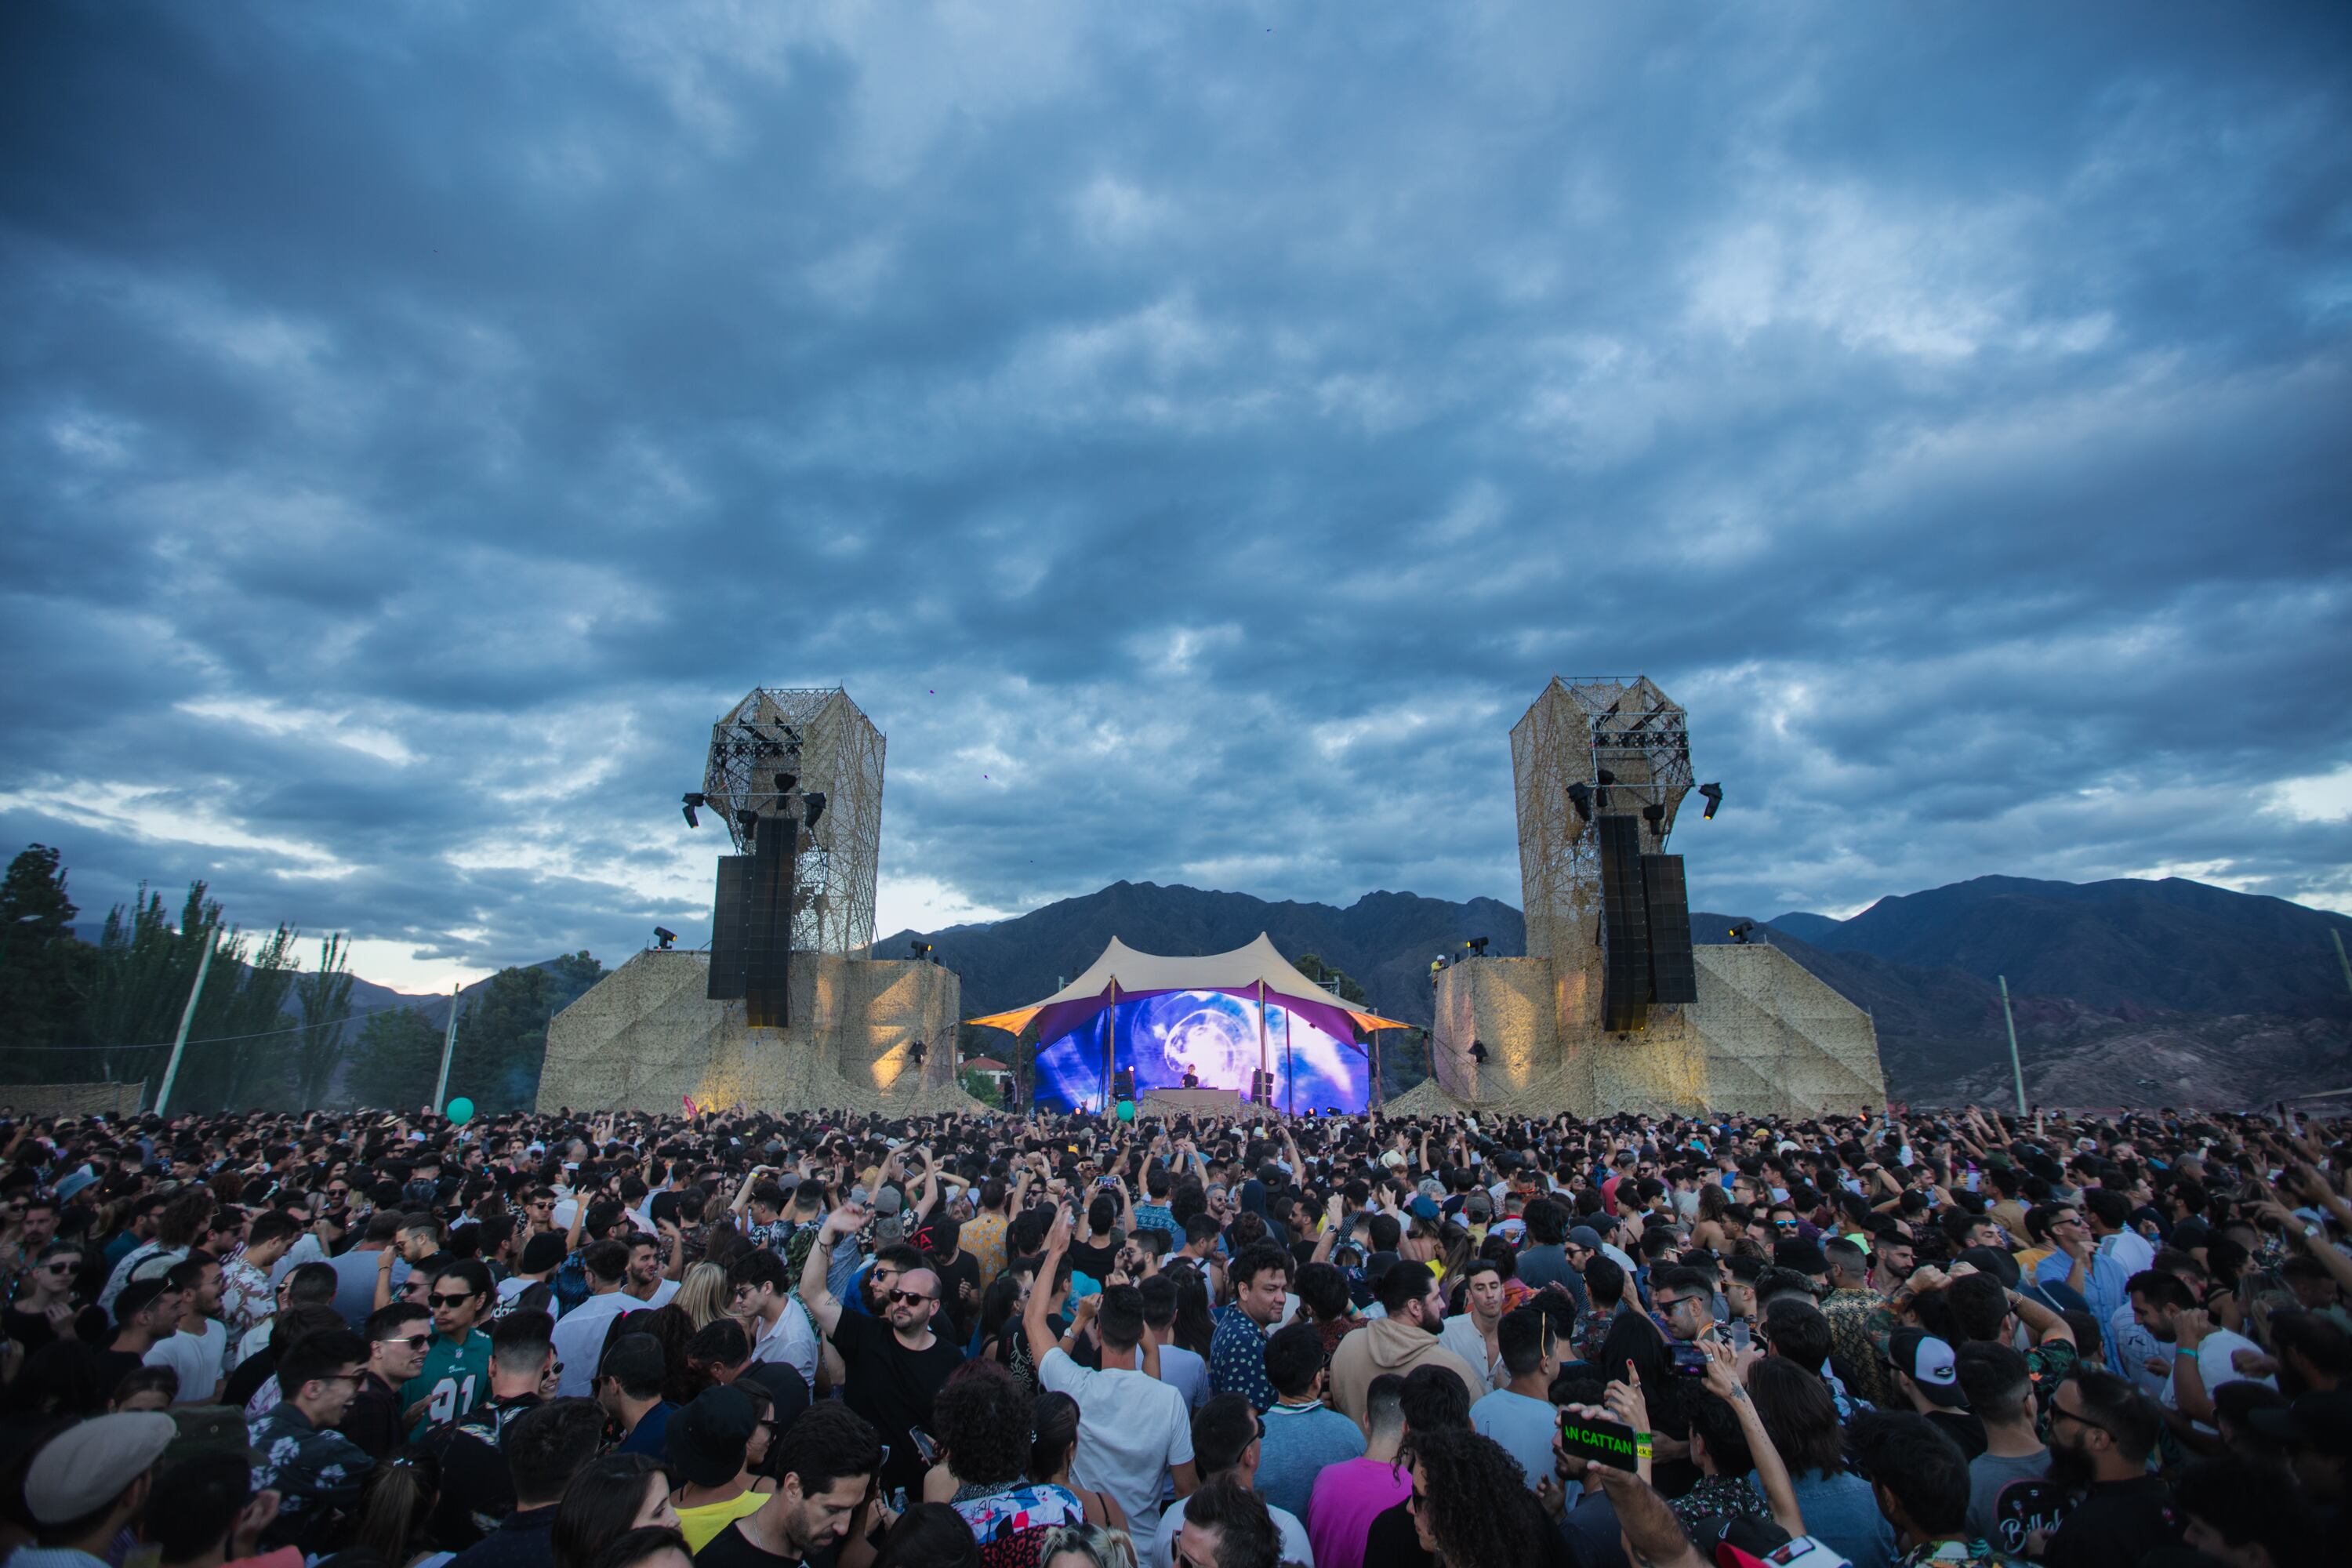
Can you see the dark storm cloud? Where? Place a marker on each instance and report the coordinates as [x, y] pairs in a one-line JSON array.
[[1194, 437]]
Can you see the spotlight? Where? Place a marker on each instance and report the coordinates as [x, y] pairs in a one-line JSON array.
[[920, 949], [1741, 933], [915, 1053], [1477, 944], [1655, 815], [1477, 1051], [749, 821], [1713, 793], [1601, 794], [1580, 796], [668, 937], [812, 807], [784, 782], [692, 800]]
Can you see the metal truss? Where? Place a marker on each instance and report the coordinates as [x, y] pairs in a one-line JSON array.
[[826, 745]]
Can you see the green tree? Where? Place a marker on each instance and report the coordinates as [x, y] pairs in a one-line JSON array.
[[325, 997], [43, 968], [395, 1061]]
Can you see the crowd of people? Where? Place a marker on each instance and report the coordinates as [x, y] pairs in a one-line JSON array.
[[759, 1341]]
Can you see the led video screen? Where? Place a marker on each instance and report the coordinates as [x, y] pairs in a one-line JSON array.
[[1213, 1033]]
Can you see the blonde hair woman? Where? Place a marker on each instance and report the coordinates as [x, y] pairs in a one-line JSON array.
[[702, 1295], [1085, 1546]]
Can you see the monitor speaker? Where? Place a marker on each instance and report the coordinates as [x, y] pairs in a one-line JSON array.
[[727, 916], [768, 927], [1673, 973], [1122, 1084], [1625, 926]]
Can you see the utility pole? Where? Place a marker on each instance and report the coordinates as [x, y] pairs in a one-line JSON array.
[[2016, 1069], [448, 1045], [2347, 963], [187, 1017]]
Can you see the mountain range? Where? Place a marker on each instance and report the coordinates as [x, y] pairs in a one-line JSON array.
[[2125, 992]]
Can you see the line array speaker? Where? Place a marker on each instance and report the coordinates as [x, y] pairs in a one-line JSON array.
[[1625, 924], [1673, 973], [728, 975], [768, 927]]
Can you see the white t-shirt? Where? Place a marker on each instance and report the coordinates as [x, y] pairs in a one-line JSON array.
[[2131, 1249], [197, 1359], [1460, 1334], [579, 1340], [792, 1343], [2213, 1365], [1296, 1547], [1132, 1431]]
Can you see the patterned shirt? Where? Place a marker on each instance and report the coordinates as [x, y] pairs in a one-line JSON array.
[[317, 1476], [1860, 1324], [246, 1297], [984, 1238], [1237, 1361], [1952, 1551], [1718, 1496]]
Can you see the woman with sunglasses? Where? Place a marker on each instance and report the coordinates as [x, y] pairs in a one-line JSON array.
[[44, 1308]]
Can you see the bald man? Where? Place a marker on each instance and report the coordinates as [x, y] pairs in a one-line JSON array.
[[893, 1363]]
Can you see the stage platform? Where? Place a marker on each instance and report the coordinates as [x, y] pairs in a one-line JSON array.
[[1190, 1102]]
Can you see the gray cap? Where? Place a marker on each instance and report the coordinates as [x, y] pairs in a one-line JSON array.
[[888, 1201], [85, 1468], [1585, 1237]]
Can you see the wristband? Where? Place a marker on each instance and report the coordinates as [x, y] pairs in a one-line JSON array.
[[1640, 1444]]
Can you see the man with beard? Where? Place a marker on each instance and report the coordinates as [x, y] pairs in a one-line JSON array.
[[894, 1363], [2204, 1357], [2101, 1430], [827, 1463], [1405, 1339]]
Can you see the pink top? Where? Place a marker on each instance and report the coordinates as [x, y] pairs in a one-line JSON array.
[[1348, 1498]]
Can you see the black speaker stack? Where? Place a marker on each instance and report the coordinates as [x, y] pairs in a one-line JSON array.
[[1673, 973], [1625, 925], [752, 927]]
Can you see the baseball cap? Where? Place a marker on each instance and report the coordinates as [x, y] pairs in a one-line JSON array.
[[136, 1298], [1421, 1208], [708, 1438], [85, 1468], [1585, 1237], [1927, 1361], [889, 1201], [2321, 1421]]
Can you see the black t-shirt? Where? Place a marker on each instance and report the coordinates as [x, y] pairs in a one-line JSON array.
[[893, 1388], [374, 1420], [1963, 1428], [964, 1270], [728, 1549], [31, 1330], [2116, 1525], [1088, 1257], [250, 1375], [114, 1365]]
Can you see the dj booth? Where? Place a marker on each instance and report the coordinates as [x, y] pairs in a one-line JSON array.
[[1191, 1102]]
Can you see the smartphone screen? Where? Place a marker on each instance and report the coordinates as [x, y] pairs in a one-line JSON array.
[[1610, 1443]]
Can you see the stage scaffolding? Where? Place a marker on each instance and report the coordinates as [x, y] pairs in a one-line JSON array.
[[832, 748]]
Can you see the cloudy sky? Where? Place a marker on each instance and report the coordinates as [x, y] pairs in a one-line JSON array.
[[1193, 433]]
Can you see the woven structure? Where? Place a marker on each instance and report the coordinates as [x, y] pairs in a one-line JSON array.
[[73, 1099], [1764, 1035], [645, 1036], [824, 743]]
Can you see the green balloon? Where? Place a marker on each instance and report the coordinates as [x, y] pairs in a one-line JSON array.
[[461, 1110], [1127, 1111]]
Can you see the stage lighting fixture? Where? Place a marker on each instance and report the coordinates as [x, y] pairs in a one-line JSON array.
[[1477, 1051], [1741, 933], [691, 801], [1580, 796], [749, 821], [1479, 944], [1601, 791], [784, 782], [1655, 815], [812, 807], [668, 939], [1713, 793], [915, 1053], [920, 949]]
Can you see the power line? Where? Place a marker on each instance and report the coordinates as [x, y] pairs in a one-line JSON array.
[[224, 1039]]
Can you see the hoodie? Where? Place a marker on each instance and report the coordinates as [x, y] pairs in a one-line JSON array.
[[1384, 1344]]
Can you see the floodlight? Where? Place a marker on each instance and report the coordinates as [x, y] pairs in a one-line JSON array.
[[1714, 793], [1477, 944], [812, 807], [1580, 796], [1654, 815], [1600, 793], [749, 821], [1477, 1051], [916, 1052], [668, 937], [1741, 932], [689, 801], [920, 949], [784, 782]]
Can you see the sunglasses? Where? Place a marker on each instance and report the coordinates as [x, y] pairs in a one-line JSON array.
[[61, 1265], [414, 1341], [910, 1298], [438, 1300]]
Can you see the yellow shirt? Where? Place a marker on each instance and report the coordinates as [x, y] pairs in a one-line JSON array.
[[700, 1526]]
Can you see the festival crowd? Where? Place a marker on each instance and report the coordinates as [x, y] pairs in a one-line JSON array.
[[751, 1340]]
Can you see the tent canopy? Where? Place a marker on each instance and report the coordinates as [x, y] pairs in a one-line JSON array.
[[1240, 972]]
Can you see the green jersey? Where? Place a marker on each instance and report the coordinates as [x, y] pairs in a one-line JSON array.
[[456, 1376]]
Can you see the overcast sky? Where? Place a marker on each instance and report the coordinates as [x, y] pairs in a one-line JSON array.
[[1194, 432]]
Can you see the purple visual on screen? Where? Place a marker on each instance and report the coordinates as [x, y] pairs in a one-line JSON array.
[[1215, 1033]]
